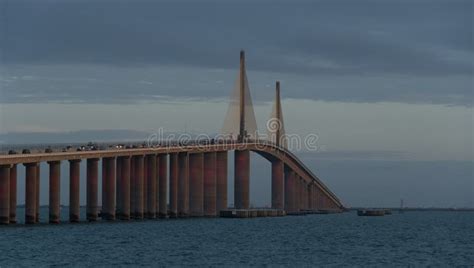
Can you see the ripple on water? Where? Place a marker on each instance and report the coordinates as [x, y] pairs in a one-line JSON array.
[[415, 238]]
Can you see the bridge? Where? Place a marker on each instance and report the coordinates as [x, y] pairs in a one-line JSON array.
[[135, 180]]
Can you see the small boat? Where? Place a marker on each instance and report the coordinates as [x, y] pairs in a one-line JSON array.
[[371, 212]]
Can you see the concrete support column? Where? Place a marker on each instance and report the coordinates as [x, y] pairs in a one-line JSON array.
[[305, 201], [92, 189], [221, 180], [108, 190], [30, 192], [54, 191], [13, 192], [137, 186], [174, 177], [118, 187], [124, 189], [183, 182], [241, 179], [210, 209], [309, 189], [289, 190], [324, 201], [329, 204], [319, 199], [300, 193], [4, 194], [278, 184], [151, 186], [145, 186], [74, 175], [133, 185], [163, 188], [196, 186], [37, 188], [157, 190], [295, 192], [315, 197]]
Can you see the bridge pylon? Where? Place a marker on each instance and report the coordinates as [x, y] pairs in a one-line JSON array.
[[275, 125], [240, 123]]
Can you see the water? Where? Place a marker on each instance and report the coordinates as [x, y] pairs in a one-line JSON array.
[[412, 238]]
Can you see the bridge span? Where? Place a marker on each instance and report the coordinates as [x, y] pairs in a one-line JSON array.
[[135, 180]]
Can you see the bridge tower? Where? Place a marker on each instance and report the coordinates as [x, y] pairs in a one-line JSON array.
[[275, 125], [240, 123]]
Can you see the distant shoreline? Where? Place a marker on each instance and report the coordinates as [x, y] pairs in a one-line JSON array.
[[417, 209]]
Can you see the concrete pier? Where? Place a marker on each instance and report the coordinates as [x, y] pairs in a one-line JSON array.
[[108, 190], [92, 190], [13, 193], [30, 192], [163, 186], [210, 209], [294, 191], [145, 186], [157, 190], [300, 193], [54, 191], [305, 196], [133, 187], [320, 199], [174, 177], [118, 187], [124, 189], [183, 182], [288, 191], [137, 187], [37, 189], [325, 203], [151, 186], [278, 184], [313, 197], [241, 179], [74, 206], [221, 181], [4, 194], [196, 186]]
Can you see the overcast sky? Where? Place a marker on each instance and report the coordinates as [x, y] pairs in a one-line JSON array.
[[388, 77], [409, 51]]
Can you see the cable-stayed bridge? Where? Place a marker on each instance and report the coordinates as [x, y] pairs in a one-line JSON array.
[[138, 182]]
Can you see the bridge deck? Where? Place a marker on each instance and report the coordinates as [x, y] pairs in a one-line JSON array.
[[264, 148]]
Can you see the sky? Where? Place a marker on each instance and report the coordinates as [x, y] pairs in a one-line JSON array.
[[386, 85]]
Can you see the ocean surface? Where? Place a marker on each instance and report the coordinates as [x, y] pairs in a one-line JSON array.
[[411, 238]]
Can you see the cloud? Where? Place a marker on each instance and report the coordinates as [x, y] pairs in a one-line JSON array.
[[319, 40]]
